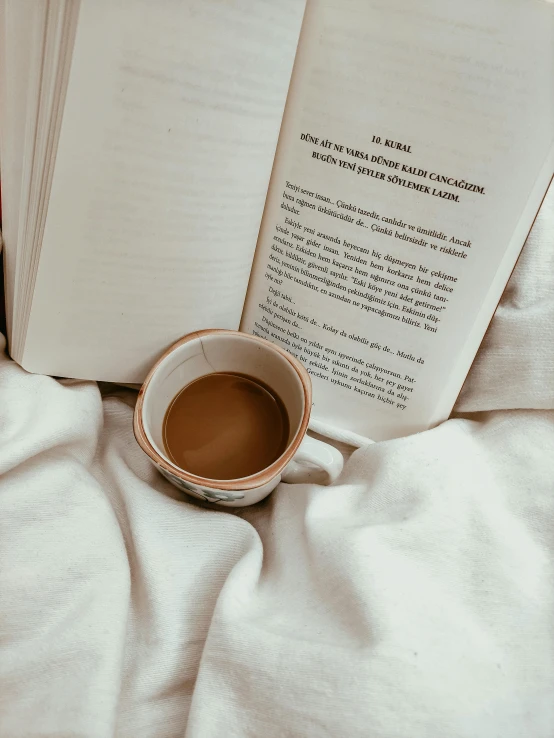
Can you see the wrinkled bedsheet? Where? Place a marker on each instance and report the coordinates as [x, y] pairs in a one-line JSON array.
[[412, 599]]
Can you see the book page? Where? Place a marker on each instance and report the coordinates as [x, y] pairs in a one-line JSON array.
[[170, 125], [416, 148], [21, 32]]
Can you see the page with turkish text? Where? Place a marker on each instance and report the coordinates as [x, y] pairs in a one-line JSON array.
[[416, 148]]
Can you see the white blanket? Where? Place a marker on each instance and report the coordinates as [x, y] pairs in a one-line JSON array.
[[414, 599]]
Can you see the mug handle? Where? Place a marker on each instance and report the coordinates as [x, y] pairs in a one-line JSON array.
[[311, 459]]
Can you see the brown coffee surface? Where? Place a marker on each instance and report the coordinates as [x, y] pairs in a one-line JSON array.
[[225, 426]]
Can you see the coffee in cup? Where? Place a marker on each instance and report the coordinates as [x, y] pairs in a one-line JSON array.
[[225, 426], [195, 395]]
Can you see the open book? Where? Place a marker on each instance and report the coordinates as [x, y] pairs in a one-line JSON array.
[[351, 180]]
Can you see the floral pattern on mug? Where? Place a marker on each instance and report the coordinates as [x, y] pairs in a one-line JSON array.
[[208, 495]]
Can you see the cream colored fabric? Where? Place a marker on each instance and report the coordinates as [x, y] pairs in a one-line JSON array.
[[413, 599]]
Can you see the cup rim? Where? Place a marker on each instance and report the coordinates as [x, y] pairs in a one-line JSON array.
[[233, 485]]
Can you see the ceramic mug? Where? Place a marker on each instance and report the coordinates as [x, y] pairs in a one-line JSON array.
[[209, 351]]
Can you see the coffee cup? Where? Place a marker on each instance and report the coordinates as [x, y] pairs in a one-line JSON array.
[[224, 351]]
